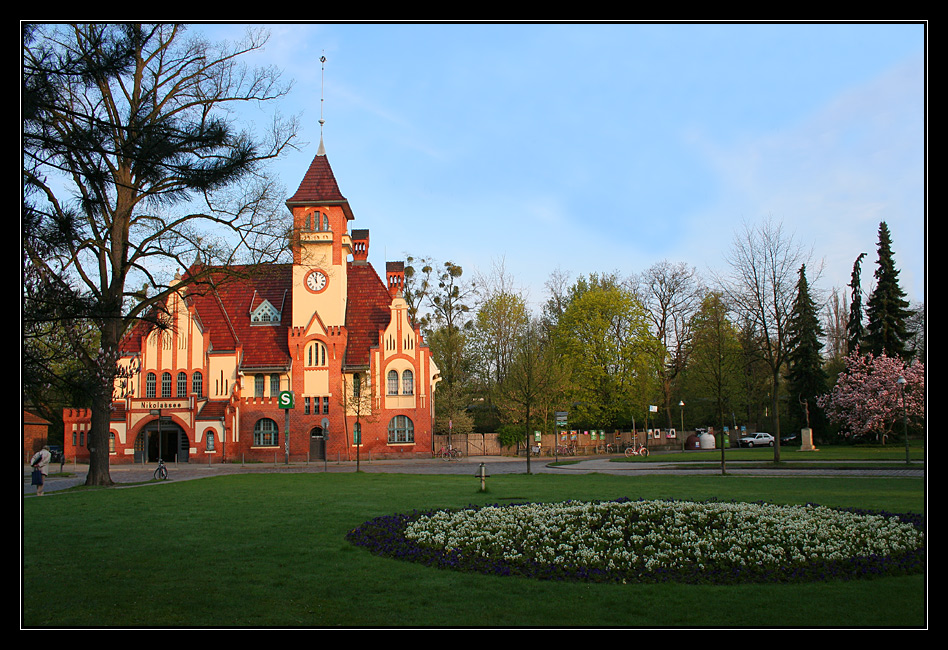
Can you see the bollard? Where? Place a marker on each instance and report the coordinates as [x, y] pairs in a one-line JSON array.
[[482, 474]]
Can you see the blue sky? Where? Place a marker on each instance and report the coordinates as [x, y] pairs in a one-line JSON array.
[[610, 147]]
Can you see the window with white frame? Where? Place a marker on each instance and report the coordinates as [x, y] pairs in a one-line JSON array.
[[408, 383], [401, 429], [392, 384], [150, 385], [266, 433]]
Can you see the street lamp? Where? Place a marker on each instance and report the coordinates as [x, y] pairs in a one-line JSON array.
[[901, 383], [681, 405]]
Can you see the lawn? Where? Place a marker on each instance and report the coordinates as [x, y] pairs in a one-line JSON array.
[[269, 550]]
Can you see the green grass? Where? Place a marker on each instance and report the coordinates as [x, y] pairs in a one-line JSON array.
[[265, 550]]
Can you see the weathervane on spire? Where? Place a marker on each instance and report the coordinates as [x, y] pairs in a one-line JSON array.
[[322, 150]]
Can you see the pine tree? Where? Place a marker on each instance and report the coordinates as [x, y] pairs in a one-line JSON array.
[[855, 331], [887, 310], [806, 378]]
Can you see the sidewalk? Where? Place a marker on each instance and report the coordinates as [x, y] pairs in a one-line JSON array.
[[73, 475], [130, 475]]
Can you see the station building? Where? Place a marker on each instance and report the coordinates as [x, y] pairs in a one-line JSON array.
[[325, 333]]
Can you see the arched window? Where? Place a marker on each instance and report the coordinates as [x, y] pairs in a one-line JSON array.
[[258, 385], [265, 433], [316, 354], [274, 385], [166, 384], [401, 429], [408, 383], [182, 384], [197, 384], [150, 382], [392, 382]]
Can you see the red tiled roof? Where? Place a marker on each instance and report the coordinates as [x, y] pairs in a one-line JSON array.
[[367, 311], [319, 186], [213, 410], [224, 312]]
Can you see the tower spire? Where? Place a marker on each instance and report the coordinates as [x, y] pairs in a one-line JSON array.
[[322, 83]]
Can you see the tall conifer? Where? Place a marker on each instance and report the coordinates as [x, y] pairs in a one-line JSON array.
[[806, 379], [855, 332], [887, 310]]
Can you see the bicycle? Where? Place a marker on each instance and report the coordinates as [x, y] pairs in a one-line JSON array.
[[565, 450], [633, 450], [450, 453], [162, 472]]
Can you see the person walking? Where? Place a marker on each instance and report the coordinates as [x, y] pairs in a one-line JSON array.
[[40, 464]]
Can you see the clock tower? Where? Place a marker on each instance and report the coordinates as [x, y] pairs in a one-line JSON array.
[[321, 246]]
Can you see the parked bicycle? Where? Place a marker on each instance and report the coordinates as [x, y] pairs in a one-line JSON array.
[[636, 450], [565, 450], [450, 453], [162, 472]]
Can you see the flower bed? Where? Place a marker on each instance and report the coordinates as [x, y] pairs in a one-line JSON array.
[[653, 541]]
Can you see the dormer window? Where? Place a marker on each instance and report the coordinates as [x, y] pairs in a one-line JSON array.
[[265, 314]]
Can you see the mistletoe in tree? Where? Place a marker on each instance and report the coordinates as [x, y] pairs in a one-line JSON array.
[[868, 399]]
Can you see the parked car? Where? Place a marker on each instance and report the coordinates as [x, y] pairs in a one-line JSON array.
[[790, 439], [756, 440]]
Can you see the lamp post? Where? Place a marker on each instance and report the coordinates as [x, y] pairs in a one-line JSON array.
[[681, 405], [901, 383]]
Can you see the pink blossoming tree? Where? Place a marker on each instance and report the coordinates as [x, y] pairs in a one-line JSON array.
[[868, 399]]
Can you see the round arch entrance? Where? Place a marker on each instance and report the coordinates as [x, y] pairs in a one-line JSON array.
[[165, 440]]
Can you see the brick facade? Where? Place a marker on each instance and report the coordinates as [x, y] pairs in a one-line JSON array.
[[206, 389]]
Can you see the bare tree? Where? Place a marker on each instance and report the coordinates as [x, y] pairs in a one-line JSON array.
[[761, 285], [535, 380], [835, 322], [499, 320], [357, 399], [672, 293], [133, 165]]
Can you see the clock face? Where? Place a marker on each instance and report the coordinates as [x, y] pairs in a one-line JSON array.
[[316, 281]]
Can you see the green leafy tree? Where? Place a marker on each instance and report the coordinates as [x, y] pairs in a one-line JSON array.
[[133, 166], [887, 309], [716, 360], [806, 378], [605, 340]]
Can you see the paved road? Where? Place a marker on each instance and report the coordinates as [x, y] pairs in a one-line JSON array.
[[135, 474]]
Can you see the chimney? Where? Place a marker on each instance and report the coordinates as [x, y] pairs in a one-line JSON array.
[[360, 245], [395, 276]]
